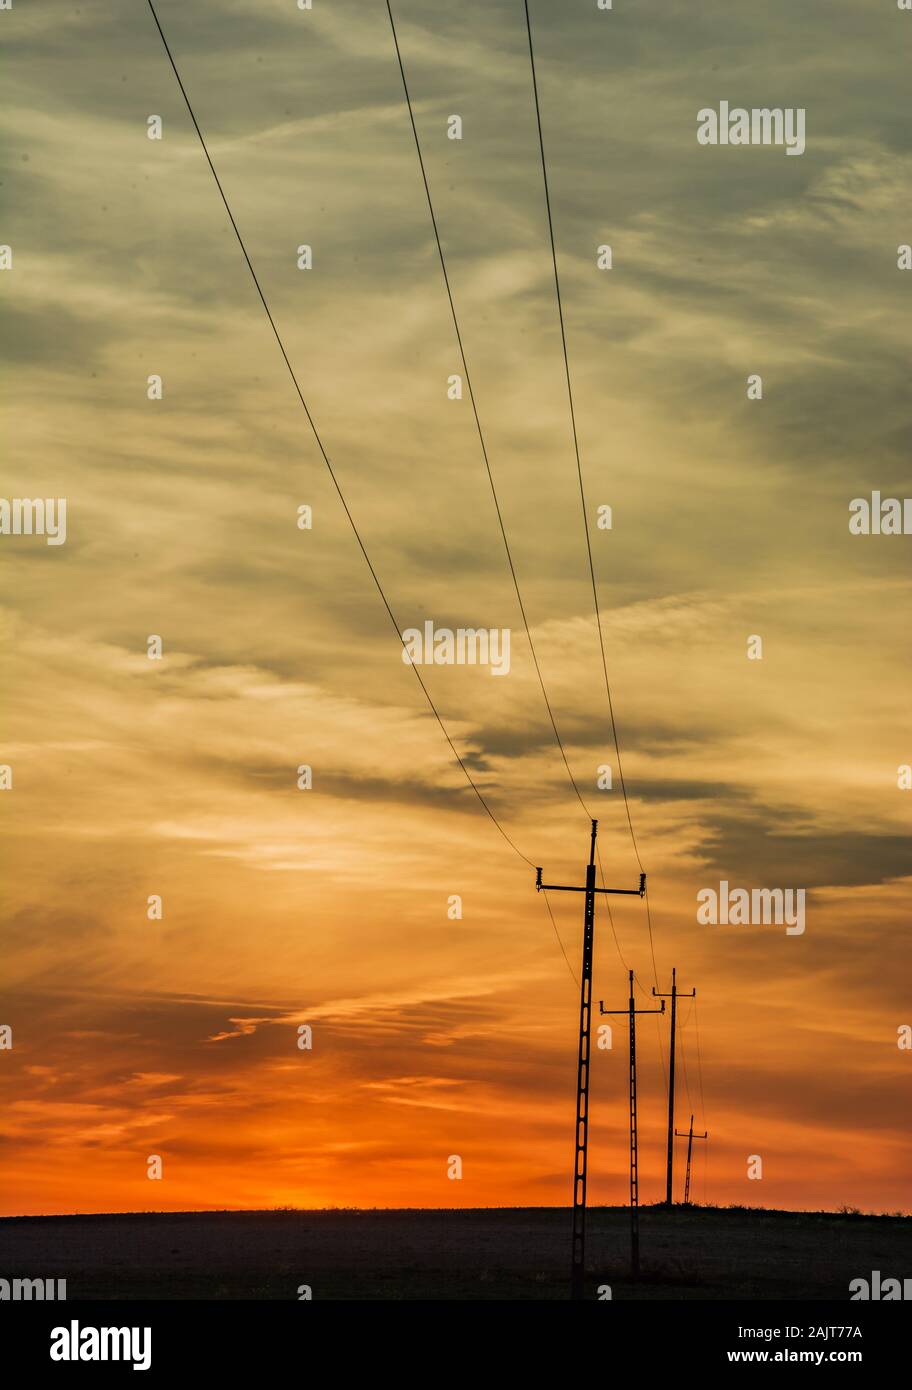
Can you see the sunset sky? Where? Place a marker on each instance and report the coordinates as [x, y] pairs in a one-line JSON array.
[[434, 1037]]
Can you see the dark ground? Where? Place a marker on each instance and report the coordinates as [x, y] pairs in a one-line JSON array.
[[688, 1253]]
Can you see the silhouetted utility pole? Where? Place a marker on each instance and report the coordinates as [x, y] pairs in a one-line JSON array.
[[577, 1265], [690, 1143], [674, 997], [632, 1012]]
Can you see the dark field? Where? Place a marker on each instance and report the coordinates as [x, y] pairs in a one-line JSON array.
[[689, 1253]]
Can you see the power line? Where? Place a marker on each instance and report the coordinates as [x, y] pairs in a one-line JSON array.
[[316, 434], [699, 1068], [662, 1059], [637, 984], [490, 475], [559, 941], [611, 920], [682, 1027], [576, 449], [683, 1045], [579, 472], [627, 968], [655, 971], [477, 418]]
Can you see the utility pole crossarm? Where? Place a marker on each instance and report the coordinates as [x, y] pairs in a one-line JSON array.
[[675, 993], [627, 1012], [572, 888]]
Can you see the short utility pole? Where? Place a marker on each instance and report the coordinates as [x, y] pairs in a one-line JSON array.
[[578, 1259], [632, 1012], [690, 1143]]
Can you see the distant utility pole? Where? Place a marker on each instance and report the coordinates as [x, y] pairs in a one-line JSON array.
[[632, 1012], [690, 1143], [578, 1265], [674, 997]]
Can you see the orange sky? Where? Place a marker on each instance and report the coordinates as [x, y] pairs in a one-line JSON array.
[[434, 1037]]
